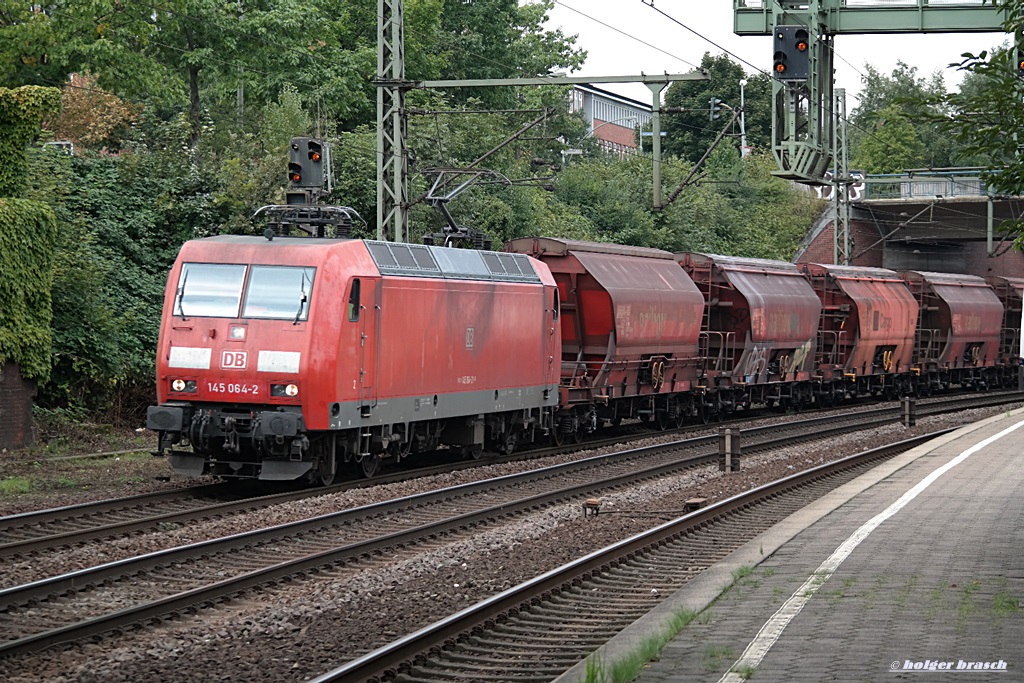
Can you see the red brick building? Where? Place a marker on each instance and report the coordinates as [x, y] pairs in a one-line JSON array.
[[614, 120]]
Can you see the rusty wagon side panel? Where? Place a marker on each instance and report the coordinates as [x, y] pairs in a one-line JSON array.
[[630, 318], [761, 322], [959, 322], [868, 320]]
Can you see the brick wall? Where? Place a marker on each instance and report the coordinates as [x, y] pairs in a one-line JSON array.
[[868, 251], [16, 394], [613, 132], [867, 248], [1010, 264]]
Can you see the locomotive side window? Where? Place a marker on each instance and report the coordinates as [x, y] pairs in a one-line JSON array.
[[279, 293], [209, 290], [353, 302], [554, 309]]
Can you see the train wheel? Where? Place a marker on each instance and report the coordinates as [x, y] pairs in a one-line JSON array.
[[509, 441], [704, 412], [663, 420], [557, 437], [323, 474], [369, 465]]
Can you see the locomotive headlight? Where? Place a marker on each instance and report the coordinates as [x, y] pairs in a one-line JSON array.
[[184, 385], [284, 390], [237, 333]]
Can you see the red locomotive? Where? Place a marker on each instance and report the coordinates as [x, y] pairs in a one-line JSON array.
[[289, 358], [285, 358]]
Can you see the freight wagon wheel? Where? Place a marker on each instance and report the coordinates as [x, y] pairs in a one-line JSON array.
[[704, 412], [568, 427], [668, 419]]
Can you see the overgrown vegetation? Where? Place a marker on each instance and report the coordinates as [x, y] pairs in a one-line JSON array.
[[28, 231]]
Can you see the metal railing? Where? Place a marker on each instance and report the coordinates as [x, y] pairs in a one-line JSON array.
[[924, 185]]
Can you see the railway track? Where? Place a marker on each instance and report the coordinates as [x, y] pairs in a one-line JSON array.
[[112, 596], [538, 630], [54, 529]]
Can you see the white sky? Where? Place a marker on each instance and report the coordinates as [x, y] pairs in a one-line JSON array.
[[610, 53]]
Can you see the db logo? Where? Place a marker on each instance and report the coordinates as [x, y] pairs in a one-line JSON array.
[[233, 360]]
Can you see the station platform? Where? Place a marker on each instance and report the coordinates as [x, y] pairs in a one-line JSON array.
[[913, 571]]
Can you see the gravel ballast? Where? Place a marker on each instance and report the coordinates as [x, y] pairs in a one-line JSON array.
[[299, 629]]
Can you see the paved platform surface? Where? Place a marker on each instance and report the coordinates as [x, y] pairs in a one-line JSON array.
[[929, 583]]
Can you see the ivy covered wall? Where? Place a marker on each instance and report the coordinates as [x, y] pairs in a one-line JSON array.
[[28, 236]]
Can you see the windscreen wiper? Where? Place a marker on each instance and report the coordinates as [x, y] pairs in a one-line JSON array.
[[302, 300], [179, 297]]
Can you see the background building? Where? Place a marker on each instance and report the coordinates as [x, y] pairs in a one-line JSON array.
[[613, 119]]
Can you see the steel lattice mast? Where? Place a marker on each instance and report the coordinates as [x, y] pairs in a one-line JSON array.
[[392, 159]]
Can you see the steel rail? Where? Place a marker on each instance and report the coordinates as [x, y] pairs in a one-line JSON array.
[[86, 578], [386, 661], [77, 515], [89, 577]]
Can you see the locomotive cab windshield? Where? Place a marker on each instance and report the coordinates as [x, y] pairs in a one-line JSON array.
[[215, 290]]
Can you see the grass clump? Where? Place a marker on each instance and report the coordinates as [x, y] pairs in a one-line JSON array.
[[12, 486]]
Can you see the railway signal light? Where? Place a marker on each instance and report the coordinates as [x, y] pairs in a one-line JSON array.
[[716, 108], [792, 53], [306, 163]]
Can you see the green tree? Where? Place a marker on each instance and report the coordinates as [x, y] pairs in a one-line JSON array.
[[891, 145], [689, 133], [985, 114], [28, 231], [502, 39], [905, 100]]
